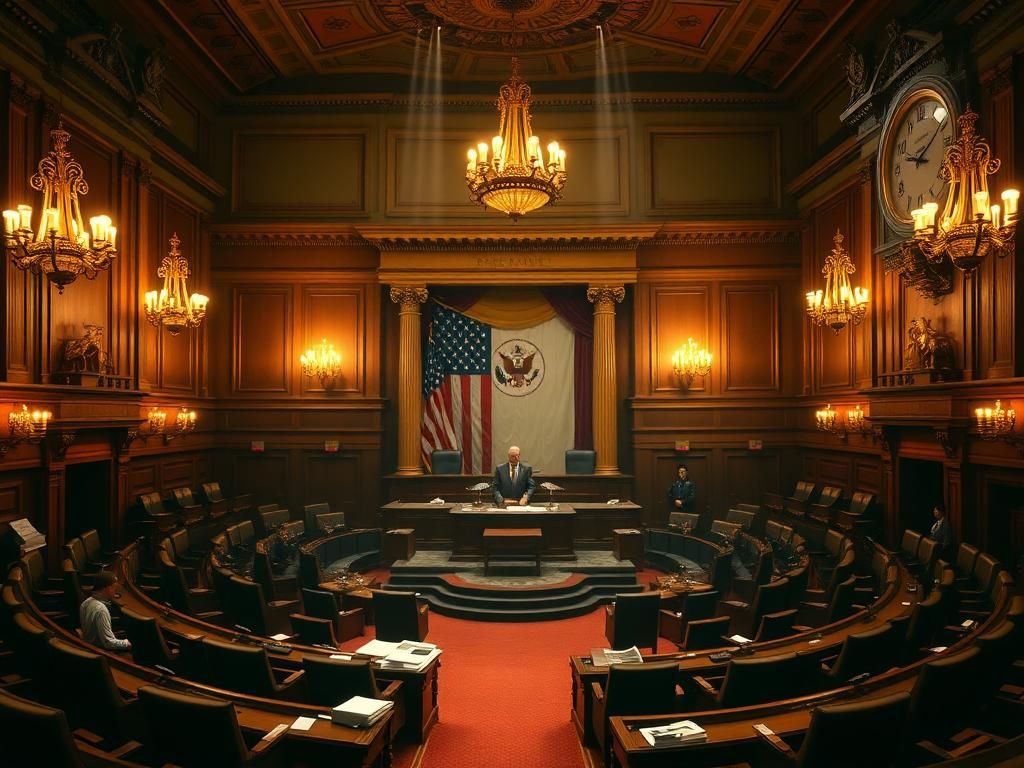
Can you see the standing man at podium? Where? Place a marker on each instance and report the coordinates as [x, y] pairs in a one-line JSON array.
[[513, 482]]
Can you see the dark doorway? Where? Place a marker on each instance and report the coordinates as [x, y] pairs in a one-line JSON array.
[[87, 499], [920, 490], [1005, 535]]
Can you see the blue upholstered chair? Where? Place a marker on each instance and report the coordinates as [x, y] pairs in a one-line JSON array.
[[446, 462], [580, 462]]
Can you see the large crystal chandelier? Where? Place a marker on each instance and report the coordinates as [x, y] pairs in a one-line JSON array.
[[839, 304], [59, 246], [969, 227], [511, 175], [172, 307]]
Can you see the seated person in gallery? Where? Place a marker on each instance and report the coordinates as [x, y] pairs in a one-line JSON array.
[[683, 493], [513, 482]]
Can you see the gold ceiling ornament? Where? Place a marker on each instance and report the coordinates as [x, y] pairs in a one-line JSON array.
[[839, 304], [689, 361], [322, 363], [511, 175], [171, 306], [969, 228], [59, 246]]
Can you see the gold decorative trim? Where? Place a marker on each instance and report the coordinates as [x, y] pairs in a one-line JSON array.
[[728, 233]]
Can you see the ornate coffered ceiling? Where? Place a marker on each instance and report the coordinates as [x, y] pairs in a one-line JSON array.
[[290, 45]]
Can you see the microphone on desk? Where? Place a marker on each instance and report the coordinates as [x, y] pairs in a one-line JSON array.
[[244, 630]]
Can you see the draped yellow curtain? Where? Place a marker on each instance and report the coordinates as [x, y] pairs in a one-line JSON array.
[[511, 308]]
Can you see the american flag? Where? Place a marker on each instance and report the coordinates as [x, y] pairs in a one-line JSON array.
[[457, 389]]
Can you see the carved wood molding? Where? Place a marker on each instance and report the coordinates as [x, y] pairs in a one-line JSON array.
[[727, 233]]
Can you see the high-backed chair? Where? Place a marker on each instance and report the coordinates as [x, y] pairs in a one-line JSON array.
[[94, 554], [174, 590], [399, 616], [856, 516], [986, 569], [632, 689], [798, 503], [310, 630], [580, 462], [754, 681], [310, 511], [816, 613], [775, 626], [632, 620], [446, 462], [246, 668], [720, 572], [33, 734], [870, 652], [927, 554], [966, 556], [250, 606], [696, 606], [925, 621], [272, 519], [46, 591], [199, 730], [275, 586], [219, 503], [761, 574], [827, 501], [149, 646], [91, 698], [725, 529], [154, 513], [332, 681], [330, 522], [191, 510], [769, 598], [30, 641], [941, 681], [741, 517], [183, 550], [909, 543], [74, 594], [705, 633], [685, 520], [867, 732], [322, 604], [311, 574], [74, 550]]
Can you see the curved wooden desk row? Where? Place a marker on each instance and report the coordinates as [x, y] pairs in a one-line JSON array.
[[323, 741], [731, 735], [419, 689]]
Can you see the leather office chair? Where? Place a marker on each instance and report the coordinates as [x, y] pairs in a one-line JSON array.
[[633, 620], [705, 633], [275, 587], [311, 575], [842, 604], [725, 529], [800, 501], [198, 730], [310, 630], [174, 590], [153, 512], [322, 604], [856, 515], [966, 556], [927, 554], [866, 732], [329, 682], [753, 681], [741, 517], [220, 504], [74, 550], [696, 607], [797, 585], [94, 554], [775, 626], [46, 591], [33, 734], [191, 510], [446, 462], [761, 574], [149, 646], [399, 616], [74, 594], [868, 652], [30, 641], [721, 572], [330, 522], [986, 569], [310, 511], [246, 668], [822, 510], [632, 689], [91, 698], [580, 462], [999, 651], [934, 723], [10, 606], [255, 613], [272, 519], [769, 598], [183, 550], [925, 621], [908, 547]]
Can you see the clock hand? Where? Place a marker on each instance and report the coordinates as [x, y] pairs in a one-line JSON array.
[[918, 159]]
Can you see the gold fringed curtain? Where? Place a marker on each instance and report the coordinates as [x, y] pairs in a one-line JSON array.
[[509, 308]]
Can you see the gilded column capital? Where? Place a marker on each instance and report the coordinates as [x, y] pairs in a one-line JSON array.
[[604, 296], [408, 296]]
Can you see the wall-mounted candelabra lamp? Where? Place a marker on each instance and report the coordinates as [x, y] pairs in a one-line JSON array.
[[690, 361], [184, 422], [856, 421], [828, 420], [997, 424], [157, 420], [25, 427], [968, 228], [322, 363]]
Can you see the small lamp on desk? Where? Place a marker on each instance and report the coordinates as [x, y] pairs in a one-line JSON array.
[[551, 488], [479, 488]]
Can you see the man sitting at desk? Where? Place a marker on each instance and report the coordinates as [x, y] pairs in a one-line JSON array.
[[513, 482]]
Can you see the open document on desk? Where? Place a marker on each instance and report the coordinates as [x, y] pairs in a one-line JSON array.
[[605, 657], [679, 732]]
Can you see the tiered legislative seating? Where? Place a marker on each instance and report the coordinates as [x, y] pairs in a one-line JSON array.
[[925, 705]]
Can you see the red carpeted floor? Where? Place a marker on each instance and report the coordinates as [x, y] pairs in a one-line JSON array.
[[504, 693]]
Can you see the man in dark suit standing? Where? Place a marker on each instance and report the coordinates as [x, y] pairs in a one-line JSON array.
[[942, 532], [683, 493], [513, 482]]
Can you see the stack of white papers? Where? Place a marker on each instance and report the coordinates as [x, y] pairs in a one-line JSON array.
[[681, 732], [740, 639], [377, 648], [604, 657], [361, 712], [28, 537], [411, 656]]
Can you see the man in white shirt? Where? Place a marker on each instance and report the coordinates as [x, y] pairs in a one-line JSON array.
[[94, 615]]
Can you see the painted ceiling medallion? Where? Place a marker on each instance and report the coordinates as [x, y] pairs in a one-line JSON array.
[[540, 24]]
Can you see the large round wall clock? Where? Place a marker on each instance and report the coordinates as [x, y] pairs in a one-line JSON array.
[[918, 127]]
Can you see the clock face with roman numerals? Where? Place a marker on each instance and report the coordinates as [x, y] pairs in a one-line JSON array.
[[914, 141]]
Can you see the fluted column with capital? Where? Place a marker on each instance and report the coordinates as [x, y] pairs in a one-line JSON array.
[[604, 299], [410, 376]]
